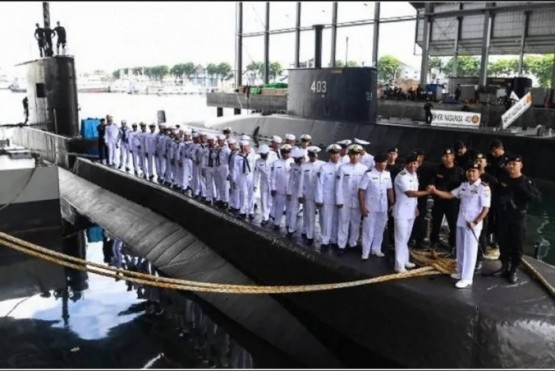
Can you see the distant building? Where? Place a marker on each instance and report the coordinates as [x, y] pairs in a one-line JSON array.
[[408, 72]]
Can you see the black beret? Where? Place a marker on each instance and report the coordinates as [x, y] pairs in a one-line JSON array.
[[495, 143], [380, 157]]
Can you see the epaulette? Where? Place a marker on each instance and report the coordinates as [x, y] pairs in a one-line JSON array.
[[403, 172]]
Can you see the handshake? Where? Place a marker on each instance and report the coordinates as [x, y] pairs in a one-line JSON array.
[[431, 189]]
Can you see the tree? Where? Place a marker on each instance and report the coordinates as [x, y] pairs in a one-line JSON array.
[[157, 72], [388, 68], [189, 69], [275, 70], [116, 74], [468, 66], [177, 71], [223, 71], [435, 63], [137, 71], [542, 68], [503, 67]]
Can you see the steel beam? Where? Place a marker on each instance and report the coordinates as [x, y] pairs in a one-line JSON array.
[[298, 36], [553, 73], [376, 34], [239, 45], [523, 42], [486, 40], [267, 45], [425, 46], [334, 33]]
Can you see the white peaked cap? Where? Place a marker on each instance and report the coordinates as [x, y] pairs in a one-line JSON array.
[[298, 152], [361, 142], [276, 139], [187, 131], [232, 141], [264, 149], [196, 134], [313, 149], [344, 142], [306, 137], [245, 137], [244, 142], [221, 137], [289, 137], [210, 137]]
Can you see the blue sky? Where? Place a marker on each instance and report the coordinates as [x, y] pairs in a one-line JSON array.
[[111, 35]]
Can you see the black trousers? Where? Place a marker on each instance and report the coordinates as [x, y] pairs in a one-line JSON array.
[[429, 117], [419, 228], [102, 150], [449, 208], [483, 239], [511, 232]]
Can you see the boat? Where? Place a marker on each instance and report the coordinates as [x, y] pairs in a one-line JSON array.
[[92, 84], [18, 86]]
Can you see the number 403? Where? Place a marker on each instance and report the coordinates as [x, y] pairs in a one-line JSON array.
[[319, 86]]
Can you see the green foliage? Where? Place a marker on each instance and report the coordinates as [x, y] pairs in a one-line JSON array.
[[340, 64], [212, 69], [223, 71], [388, 68], [541, 67], [116, 74], [275, 70], [468, 66]]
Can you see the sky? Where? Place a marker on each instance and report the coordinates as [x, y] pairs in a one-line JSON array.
[[112, 35]]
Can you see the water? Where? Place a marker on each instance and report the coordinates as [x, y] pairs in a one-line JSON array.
[[101, 323]]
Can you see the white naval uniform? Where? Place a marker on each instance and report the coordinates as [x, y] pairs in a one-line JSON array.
[[187, 164], [234, 201], [279, 179], [325, 195], [123, 140], [474, 197], [404, 213], [142, 163], [293, 193], [209, 168], [375, 184], [243, 177], [367, 160], [222, 172], [346, 194], [309, 178], [272, 157], [111, 137], [262, 181], [160, 152], [134, 148], [150, 151]]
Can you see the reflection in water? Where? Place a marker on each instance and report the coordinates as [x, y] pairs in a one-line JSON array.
[[95, 321], [541, 230]]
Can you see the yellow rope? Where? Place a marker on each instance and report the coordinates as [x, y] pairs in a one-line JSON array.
[[177, 284]]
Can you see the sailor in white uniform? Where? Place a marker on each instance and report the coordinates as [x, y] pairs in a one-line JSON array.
[[134, 147], [405, 211], [309, 179], [243, 179], [475, 199], [262, 168], [290, 139], [275, 146], [123, 144], [160, 161], [346, 198], [222, 171], [209, 168], [305, 143], [325, 197], [234, 204], [294, 191], [111, 135], [279, 179], [142, 137], [150, 151], [374, 191], [366, 158], [344, 158]]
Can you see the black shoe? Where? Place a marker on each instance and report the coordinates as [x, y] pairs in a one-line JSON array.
[[251, 216], [340, 252], [243, 216], [136, 173], [264, 222], [324, 248], [303, 235], [119, 167], [127, 169], [276, 227], [501, 272], [289, 235], [512, 278], [309, 241]]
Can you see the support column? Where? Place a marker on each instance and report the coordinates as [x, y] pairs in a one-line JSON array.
[[523, 42], [334, 33], [486, 40], [553, 73], [267, 45], [376, 34], [425, 46], [298, 35], [48, 36], [456, 48], [239, 45]]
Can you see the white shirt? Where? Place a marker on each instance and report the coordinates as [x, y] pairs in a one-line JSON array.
[[262, 171], [294, 184], [279, 176], [376, 183], [405, 206], [474, 197], [309, 178], [367, 160], [348, 178], [112, 133], [134, 140], [325, 186]]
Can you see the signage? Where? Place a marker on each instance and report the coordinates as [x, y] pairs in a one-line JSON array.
[[456, 119], [516, 110]]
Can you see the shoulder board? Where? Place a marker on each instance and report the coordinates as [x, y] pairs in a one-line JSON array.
[[403, 172]]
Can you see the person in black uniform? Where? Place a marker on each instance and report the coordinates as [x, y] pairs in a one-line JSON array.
[[514, 191], [428, 111], [26, 109], [464, 156], [102, 147], [60, 33], [425, 172], [394, 167], [48, 32], [447, 177], [497, 159], [39, 36], [458, 92]]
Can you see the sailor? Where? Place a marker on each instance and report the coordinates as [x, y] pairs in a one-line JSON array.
[[290, 139], [475, 202], [514, 191], [179, 146], [279, 179], [464, 156], [325, 197], [294, 190], [123, 144], [305, 143], [425, 173], [375, 189], [428, 111], [195, 174], [447, 177], [209, 168], [366, 159], [227, 132], [39, 36], [275, 146], [243, 180], [199, 156], [168, 157], [134, 147], [222, 171], [405, 210], [60, 33], [346, 198], [309, 179], [142, 136], [261, 181], [112, 133], [184, 160], [344, 156], [159, 159], [150, 151], [491, 181], [234, 204], [394, 168]]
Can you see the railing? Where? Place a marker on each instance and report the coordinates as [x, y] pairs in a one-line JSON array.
[[52, 147]]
